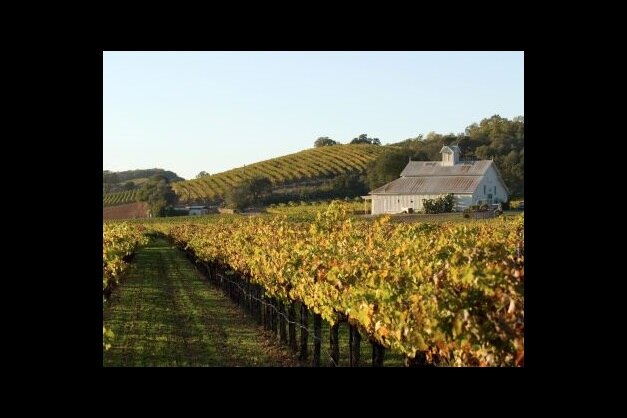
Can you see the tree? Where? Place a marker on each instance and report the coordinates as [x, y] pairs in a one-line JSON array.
[[363, 139], [442, 204], [260, 188], [158, 192], [503, 141], [129, 185], [386, 167], [110, 177], [324, 141], [238, 197], [350, 184], [250, 192], [202, 174]]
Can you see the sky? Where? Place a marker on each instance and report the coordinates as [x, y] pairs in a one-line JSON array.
[[212, 111]]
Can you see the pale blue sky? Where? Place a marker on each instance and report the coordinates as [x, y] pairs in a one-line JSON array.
[[213, 111]]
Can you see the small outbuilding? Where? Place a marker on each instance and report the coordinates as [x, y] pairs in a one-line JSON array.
[[198, 210]]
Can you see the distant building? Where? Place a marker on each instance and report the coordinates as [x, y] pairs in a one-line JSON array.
[[198, 210], [471, 182]]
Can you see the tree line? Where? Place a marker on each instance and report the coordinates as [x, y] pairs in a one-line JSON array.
[[496, 138], [325, 141], [115, 181]]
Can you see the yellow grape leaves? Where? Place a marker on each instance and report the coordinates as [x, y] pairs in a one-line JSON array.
[[412, 287]]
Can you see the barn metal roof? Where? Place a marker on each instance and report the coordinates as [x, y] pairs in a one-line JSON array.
[[435, 168], [430, 177], [430, 185]]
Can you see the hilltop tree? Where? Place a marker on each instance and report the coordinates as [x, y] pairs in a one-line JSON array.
[[123, 176], [324, 141], [108, 177], [109, 180], [202, 174], [363, 139]]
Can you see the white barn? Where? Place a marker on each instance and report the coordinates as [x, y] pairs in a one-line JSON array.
[[471, 182]]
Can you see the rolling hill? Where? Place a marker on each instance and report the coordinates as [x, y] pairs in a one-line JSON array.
[[308, 167], [118, 198], [305, 167], [118, 181], [329, 171], [120, 187]]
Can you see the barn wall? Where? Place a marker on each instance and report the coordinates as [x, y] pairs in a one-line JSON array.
[[490, 189], [390, 203], [393, 203]]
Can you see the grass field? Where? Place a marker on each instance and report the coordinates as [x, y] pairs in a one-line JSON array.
[[166, 314]]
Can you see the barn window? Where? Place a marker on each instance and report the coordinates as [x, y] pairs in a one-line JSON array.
[[484, 189]]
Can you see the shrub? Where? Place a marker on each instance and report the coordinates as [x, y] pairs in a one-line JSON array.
[[442, 204]]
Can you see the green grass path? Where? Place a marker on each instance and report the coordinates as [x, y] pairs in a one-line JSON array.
[[166, 314]]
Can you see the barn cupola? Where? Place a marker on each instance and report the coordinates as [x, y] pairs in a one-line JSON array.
[[450, 155]]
